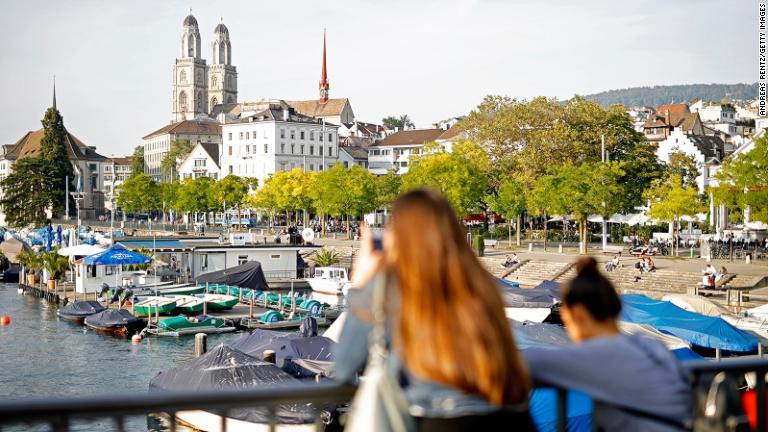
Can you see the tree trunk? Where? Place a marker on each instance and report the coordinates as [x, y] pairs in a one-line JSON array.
[[545, 231], [517, 228], [510, 232], [349, 233]]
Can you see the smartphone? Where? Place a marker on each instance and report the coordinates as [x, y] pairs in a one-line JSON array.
[[377, 240]]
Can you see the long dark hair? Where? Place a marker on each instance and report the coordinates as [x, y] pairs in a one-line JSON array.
[[592, 290]]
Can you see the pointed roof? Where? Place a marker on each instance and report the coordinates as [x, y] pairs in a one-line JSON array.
[[324, 77], [30, 146], [192, 127], [54, 92], [315, 108]]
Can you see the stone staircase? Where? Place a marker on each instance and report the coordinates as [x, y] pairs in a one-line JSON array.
[[654, 284], [534, 272]]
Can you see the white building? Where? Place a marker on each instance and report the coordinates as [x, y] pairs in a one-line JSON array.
[[116, 171], [395, 151], [202, 161], [706, 151], [353, 155], [276, 138], [158, 143], [715, 113]]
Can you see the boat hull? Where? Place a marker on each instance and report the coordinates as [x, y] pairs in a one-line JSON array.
[[222, 305], [73, 318], [151, 310]]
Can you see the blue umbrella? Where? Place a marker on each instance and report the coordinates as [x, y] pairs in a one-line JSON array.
[[116, 255], [58, 235]]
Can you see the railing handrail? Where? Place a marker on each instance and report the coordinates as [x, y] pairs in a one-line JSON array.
[[162, 401]]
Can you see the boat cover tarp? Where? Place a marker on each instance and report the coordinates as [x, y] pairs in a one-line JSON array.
[[287, 347], [81, 308], [249, 275], [551, 286], [10, 248], [227, 368], [531, 334], [112, 318], [697, 329], [334, 331], [116, 255], [528, 314], [696, 304], [527, 297]]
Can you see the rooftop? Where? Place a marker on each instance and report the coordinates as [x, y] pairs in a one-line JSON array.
[[314, 108], [192, 127], [411, 137], [30, 145]]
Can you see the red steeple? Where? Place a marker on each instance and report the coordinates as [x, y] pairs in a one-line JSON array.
[[324, 77]]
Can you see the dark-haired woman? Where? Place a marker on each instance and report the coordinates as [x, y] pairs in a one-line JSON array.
[[451, 346], [636, 383]]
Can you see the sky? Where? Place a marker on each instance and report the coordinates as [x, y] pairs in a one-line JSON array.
[[430, 59]]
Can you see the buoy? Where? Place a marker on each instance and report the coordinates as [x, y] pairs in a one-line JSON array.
[[5, 320], [136, 339]]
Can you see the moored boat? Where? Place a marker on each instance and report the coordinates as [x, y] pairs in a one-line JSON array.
[[188, 304], [118, 321], [329, 285], [181, 325], [218, 301], [154, 305], [79, 310]]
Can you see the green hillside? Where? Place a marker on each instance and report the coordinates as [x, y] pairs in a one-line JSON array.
[[657, 95]]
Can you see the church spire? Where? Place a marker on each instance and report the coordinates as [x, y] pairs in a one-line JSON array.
[[54, 92], [324, 77]]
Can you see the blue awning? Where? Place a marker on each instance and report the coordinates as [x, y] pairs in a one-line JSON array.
[[697, 329]]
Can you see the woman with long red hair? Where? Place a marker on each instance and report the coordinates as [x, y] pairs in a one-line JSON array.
[[450, 343]]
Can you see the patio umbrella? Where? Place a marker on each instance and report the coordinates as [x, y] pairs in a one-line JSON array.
[[116, 255], [80, 250], [58, 235], [48, 236]]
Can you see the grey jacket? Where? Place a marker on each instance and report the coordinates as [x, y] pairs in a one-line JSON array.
[[426, 398]]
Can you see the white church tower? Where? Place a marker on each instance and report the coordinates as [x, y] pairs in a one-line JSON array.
[[190, 75], [222, 76]]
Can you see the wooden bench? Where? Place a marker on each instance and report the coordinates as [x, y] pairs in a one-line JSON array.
[[492, 243], [618, 250]]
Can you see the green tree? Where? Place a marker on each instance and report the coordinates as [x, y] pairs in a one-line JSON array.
[[462, 175], [230, 191], [670, 199], [683, 165], [345, 192], [139, 193], [402, 122], [265, 198], [180, 148], [387, 189], [743, 181], [54, 153], [294, 191], [137, 161], [26, 197], [510, 202], [195, 196]]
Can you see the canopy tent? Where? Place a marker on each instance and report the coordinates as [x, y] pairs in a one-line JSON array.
[[82, 250], [13, 247], [288, 347], [227, 368], [697, 329], [696, 304], [116, 255], [249, 275]]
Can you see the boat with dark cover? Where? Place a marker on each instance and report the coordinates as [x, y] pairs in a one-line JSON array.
[[118, 321], [79, 310]]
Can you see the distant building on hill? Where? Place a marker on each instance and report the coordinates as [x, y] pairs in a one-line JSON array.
[[671, 117]]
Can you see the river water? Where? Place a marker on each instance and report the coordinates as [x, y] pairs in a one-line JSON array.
[[43, 356]]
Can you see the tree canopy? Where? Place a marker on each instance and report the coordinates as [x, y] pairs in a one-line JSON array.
[[139, 193], [54, 153], [743, 181], [26, 192], [137, 160], [180, 148], [402, 122]]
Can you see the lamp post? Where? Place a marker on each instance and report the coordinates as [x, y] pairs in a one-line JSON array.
[[112, 210]]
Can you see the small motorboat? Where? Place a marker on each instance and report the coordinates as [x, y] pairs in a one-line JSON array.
[[329, 285], [118, 321], [181, 325], [79, 310], [187, 304], [218, 301], [150, 306]]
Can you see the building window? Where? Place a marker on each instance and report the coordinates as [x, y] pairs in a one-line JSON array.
[[282, 147], [301, 135], [247, 149], [266, 148], [346, 164], [320, 136], [230, 136], [242, 259], [330, 151], [311, 167], [330, 137], [248, 135], [199, 162], [183, 77], [230, 169], [293, 134], [302, 149], [254, 134], [311, 150], [293, 148], [230, 150], [311, 135], [241, 135]]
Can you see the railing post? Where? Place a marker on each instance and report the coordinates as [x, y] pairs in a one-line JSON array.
[[562, 410], [760, 389]]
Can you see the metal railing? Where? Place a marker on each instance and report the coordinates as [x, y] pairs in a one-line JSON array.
[[61, 414]]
